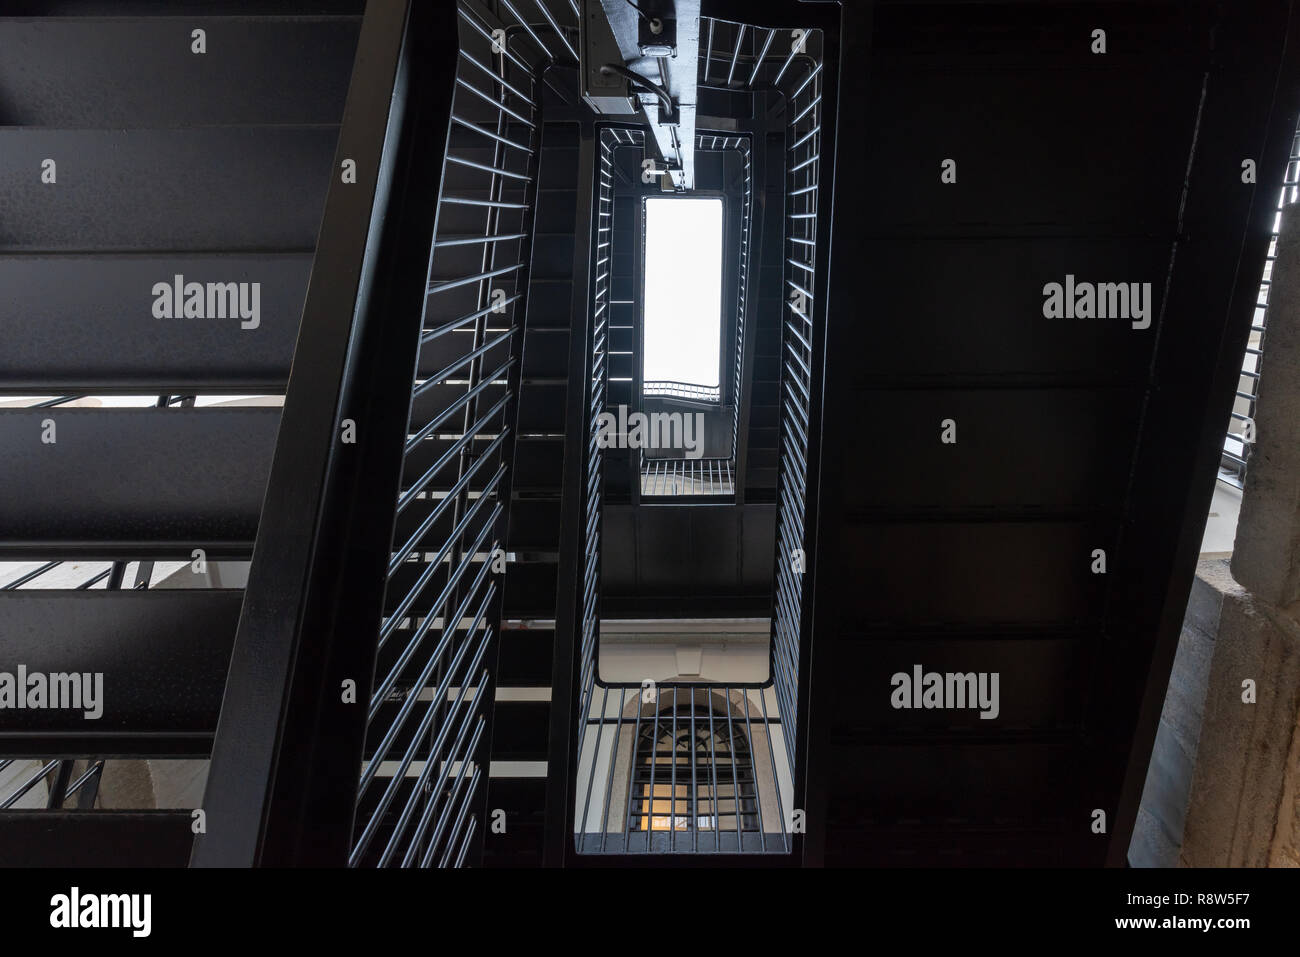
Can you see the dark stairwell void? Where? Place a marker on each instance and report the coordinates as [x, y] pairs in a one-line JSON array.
[[685, 725], [651, 317]]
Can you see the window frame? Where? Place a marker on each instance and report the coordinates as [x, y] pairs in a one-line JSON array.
[[726, 329]]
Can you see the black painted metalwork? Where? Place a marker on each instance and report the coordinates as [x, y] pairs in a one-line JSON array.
[[281, 787]]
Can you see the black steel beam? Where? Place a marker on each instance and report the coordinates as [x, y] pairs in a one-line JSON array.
[[287, 757], [264, 69], [558, 845], [56, 308], [158, 659], [126, 483], [96, 838], [237, 188]]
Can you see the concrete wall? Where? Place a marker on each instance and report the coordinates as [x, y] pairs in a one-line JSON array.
[[1158, 833], [1223, 788]]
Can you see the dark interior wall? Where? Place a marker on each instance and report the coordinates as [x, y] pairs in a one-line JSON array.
[[1071, 434]]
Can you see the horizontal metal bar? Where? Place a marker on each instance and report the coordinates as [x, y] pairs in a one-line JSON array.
[[466, 124], [497, 78], [478, 240], [460, 402], [496, 47], [460, 161], [489, 203], [35, 573], [468, 280], [409, 495], [466, 85], [437, 378], [400, 556], [556, 27]]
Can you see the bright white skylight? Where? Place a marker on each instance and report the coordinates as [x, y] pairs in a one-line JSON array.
[[683, 291]]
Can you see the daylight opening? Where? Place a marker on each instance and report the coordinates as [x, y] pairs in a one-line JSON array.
[[683, 298]]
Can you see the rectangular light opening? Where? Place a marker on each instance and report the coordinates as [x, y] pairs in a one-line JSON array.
[[683, 298]]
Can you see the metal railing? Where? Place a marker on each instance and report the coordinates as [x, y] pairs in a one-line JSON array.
[[56, 777], [423, 784], [385, 545], [710, 142], [668, 478], [1236, 449], [802, 190], [683, 390], [790, 61], [681, 768]]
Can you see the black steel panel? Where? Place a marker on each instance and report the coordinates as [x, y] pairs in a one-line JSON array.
[[686, 550], [206, 188], [1039, 686], [1028, 449], [945, 783], [80, 322], [519, 730], [930, 309], [538, 463], [941, 304], [1013, 173], [530, 590], [138, 481], [534, 524], [544, 410], [161, 656], [259, 70], [943, 574], [78, 839], [524, 802], [525, 657], [546, 352]]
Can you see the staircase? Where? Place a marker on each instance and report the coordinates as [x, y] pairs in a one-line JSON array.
[[136, 148], [337, 334]]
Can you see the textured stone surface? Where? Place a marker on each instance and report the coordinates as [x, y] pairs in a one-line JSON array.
[[1158, 833], [1245, 763], [1266, 557]]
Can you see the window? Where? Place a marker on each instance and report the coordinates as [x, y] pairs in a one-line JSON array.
[[683, 298], [692, 775]]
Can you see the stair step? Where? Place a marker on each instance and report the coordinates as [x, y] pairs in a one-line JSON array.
[[235, 188], [162, 653], [58, 71], [102, 838], [82, 296], [123, 483]]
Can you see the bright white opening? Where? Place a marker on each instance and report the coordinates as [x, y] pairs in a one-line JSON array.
[[683, 295]]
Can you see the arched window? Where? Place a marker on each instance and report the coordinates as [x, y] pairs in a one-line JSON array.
[[692, 773]]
